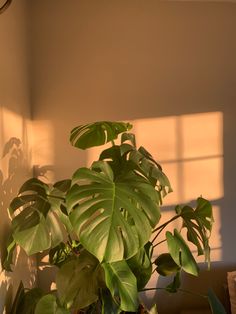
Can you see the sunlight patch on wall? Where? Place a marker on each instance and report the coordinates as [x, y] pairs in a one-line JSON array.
[[190, 150], [43, 150]]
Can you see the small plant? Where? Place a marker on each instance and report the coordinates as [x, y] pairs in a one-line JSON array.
[[100, 227]]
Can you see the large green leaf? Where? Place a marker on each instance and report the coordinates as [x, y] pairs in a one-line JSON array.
[[122, 284], [35, 226], [113, 219], [49, 305], [181, 253], [98, 133], [78, 281]]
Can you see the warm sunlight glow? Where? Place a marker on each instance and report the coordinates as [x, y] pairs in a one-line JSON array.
[[43, 152], [190, 150]]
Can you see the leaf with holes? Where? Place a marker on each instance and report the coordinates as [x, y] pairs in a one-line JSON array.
[[113, 219]]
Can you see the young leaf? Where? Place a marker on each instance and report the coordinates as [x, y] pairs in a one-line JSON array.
[[122, 284], [181, 253]]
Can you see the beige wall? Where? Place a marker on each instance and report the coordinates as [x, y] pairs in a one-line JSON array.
[[15, 141], [170, 62]]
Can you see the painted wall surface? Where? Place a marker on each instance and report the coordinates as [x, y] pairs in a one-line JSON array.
[[168, 67], [15, 142]]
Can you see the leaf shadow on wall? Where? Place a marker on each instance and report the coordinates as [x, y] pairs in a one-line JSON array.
[[15, 168]]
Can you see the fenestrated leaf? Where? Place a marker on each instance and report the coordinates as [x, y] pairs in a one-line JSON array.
[[48, 304], [215, 304], [122, 284], [35, 225], [96, 134], [199, 224], [78, 281], [113, 219], [181, 253]]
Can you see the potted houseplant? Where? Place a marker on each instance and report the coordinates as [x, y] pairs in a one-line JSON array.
[[99, 229]]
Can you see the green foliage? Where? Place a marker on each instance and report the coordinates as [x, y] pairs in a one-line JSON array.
[[96, 229]]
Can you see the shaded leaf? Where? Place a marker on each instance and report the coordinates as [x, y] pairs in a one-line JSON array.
[[78, 281], [141, 265], [215, 304], [109, 306], [48, 304], [7, 259], [166, 265]]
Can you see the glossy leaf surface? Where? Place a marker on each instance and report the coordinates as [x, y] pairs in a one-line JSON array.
[[113, 219], [96, 134]]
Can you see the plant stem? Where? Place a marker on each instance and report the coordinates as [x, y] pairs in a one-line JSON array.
[[161, 227], [159, 243]]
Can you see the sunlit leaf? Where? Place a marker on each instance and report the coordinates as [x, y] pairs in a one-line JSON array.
[[113, 219], [96, 134]]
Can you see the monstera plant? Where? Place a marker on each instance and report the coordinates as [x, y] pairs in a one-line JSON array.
[[100, 227]]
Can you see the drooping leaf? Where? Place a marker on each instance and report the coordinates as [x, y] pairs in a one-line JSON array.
[[96, 134], [122, 284], [198, 223], [215, 304], [113, 219], [141, 265], [181, 253], [78, 281], [49, 304]]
